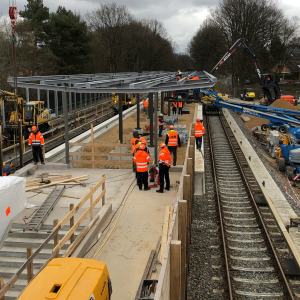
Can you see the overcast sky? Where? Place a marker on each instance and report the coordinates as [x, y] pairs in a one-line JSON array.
[[181, 18]]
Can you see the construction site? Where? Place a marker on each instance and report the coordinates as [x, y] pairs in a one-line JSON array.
[[160, 185]]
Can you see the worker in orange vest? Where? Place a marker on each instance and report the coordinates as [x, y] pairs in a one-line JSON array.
[[36, 141], [199, 131], [141, 158], [146, 105], [134, 146], [173, 140], [174, 108], [180, 105], [6, 171], [194, 77], [164, 166]]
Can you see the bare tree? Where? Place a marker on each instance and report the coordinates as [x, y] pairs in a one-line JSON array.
[[109, 24]]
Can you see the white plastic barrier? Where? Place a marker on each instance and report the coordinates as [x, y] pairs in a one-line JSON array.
[[12, 200]]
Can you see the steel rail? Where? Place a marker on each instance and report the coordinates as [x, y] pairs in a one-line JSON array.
[[219, 211], [256, 209]]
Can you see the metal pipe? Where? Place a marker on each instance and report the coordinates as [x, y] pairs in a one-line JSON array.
[[120, 118], [138, 111], [65, 108], [156, 126], [20, 143], [1, 152], [150, 112]]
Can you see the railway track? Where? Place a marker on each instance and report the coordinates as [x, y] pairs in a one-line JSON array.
[[234, 232]]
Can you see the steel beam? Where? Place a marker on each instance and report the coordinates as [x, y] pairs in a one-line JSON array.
[[38, 94], [120, 119], [138, 111], [21, 143], [80, 100], [162, 95], [56, 102], [27, 94], [150, 112], [65, 106], [48, 100]]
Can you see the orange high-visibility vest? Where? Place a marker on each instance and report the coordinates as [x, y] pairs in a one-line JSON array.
[[36, 140], [173, 138], [175, 104], [160, 123], [141, 158], [199, 129], [165, 157], [180, 104], [133, 144], [146, 104]]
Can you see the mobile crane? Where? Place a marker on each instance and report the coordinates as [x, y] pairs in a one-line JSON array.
[[266, 81]]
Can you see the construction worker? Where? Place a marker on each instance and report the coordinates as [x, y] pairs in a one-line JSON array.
[[6, 171], [164, 166], [180, 105], [36, 141], [161, 123], [146, 105], [141, 158], [174, 108], [173, 140], [144, 142], [199, 131], [134, 146]]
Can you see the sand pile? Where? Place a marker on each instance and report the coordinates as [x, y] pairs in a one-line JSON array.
[[279, 103]]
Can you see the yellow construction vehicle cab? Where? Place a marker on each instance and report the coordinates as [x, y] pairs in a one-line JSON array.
[[70, 278], [248, 94], [128, 100]]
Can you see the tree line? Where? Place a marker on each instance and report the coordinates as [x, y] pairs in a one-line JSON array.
[[272, 34], [108, 39]]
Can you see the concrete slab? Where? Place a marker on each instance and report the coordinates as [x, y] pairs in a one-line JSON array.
[[127, 250], [282, 206]]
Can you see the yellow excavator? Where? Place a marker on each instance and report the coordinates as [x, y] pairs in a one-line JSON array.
[[27, 111]]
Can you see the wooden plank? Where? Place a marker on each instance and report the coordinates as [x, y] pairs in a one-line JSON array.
[[165, 233], [175, 270], [91, 202], [186, 196], [99, 145], [81, 203], [29, 266], [99, 154], [103, 188], [54, 183], [56, 238], [79, 221], [79, 238], [103, 162], [2, 286], [182, 236], [34, 182]]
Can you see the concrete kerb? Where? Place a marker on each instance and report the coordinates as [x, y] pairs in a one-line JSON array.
[[58, 154], [30, 169], [104, 213]]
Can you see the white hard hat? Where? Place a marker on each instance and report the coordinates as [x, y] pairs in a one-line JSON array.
[[161, 115]]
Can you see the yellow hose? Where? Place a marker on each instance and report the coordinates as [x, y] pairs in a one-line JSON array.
[[115, 223]]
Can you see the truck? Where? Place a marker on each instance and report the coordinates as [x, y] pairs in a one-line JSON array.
[[70, 278], [266, 81]]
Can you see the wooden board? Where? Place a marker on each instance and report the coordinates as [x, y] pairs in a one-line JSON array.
[[100, 145], [103, 162], [99, 154], [165, 232]]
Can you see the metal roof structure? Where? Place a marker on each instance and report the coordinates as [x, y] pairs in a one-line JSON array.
[[146, 82]]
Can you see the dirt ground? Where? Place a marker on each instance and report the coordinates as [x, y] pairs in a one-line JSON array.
[[129, 124]]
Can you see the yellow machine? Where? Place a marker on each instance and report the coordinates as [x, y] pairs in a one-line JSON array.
[[70, 279], [27, 111], [128, 100], [248, 94]]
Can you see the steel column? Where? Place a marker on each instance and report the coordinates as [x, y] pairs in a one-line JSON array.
[[48, 100], [38, 94], [150, 111], [120, 119], [20, 143], [27, 94], [3, 115], [162, 95], [65, 106], [70, 101], [56, 102], [91, 101], [1, 152], [156, 126], [138, 111], [80, 100], [75, 101], [85, 99]]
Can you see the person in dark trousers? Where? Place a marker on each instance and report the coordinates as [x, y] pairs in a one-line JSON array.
[[173, 140], [199, 131], [36, 141], [180, 105], [161, 123], [174, 108], [141, 158], [164, 166]]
